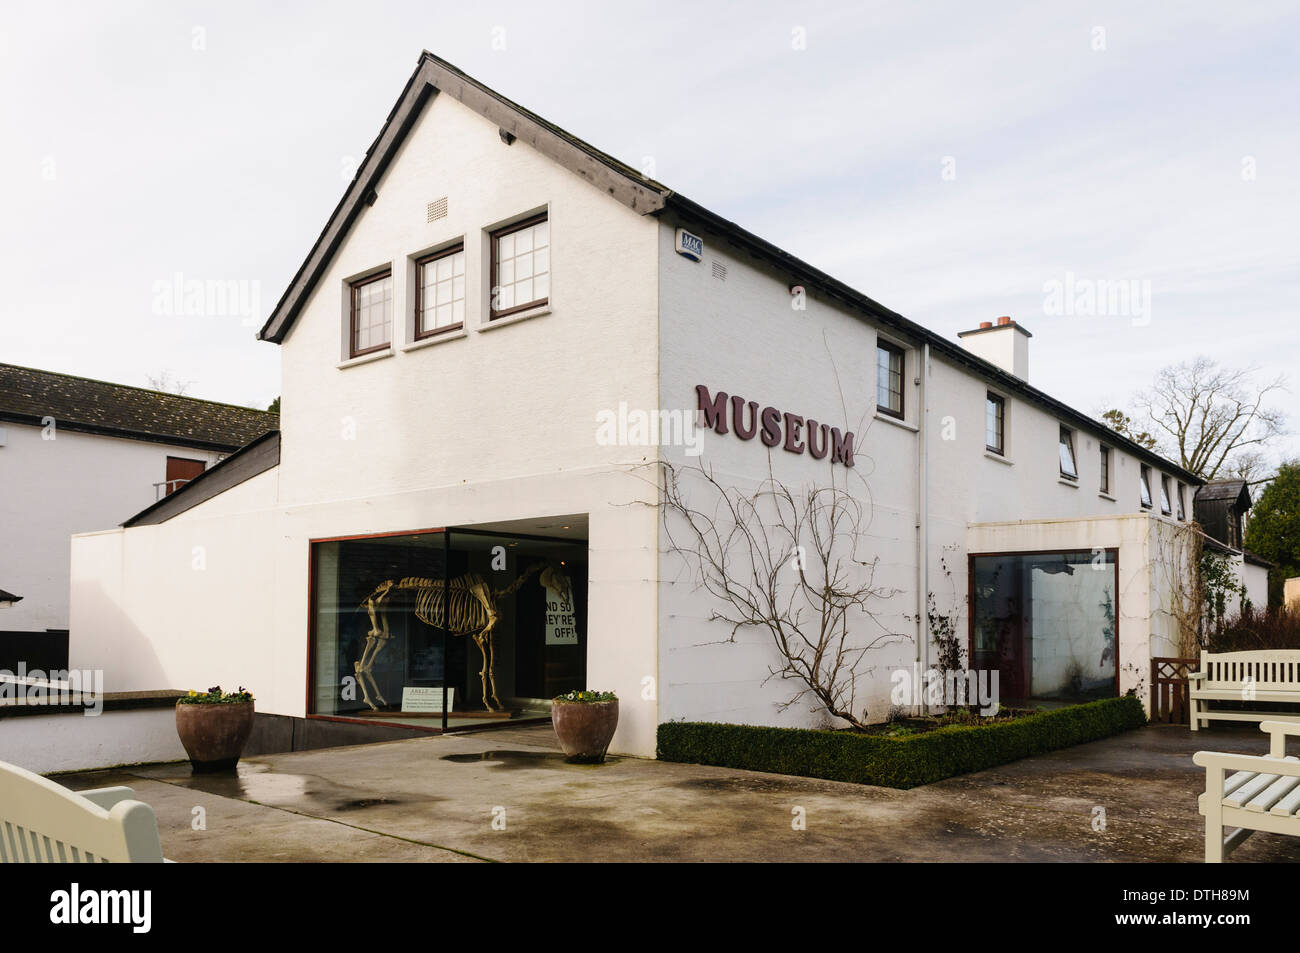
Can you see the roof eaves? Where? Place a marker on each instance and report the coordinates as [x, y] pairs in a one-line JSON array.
[[857, 301], [188, 487]]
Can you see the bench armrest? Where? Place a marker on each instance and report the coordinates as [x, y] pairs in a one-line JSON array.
[[1246, 762], [1196, 676], [107, 797], [1277, 734]]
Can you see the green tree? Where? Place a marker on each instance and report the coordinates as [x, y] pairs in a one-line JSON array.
[[275, 406], [1124, 425], [1273, 531]]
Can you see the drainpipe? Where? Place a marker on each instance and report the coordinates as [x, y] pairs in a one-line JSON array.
[[923, 524]]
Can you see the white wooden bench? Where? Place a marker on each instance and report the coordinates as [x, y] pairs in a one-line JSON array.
[[42, 822], [1260, 794], [1265, 676]]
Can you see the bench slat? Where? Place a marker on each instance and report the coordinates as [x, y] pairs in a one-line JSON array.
[[1266, 798], [1289, 805], [1234, 781], [1248, 790]]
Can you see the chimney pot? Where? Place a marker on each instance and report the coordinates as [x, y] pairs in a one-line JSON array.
[[985, 324], [1004, 320]]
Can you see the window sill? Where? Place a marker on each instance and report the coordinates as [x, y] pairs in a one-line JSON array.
[[897, 422], [515, 318], [364, 359], [433, 339], [1106, 496], [1000, 458], [1066, 481]]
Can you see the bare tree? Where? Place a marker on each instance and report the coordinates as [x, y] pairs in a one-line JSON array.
[[788, 562], [1213, 419], [166, 382]]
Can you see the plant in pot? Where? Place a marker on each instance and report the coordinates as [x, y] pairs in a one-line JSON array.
[[584, 722], [213, 727]]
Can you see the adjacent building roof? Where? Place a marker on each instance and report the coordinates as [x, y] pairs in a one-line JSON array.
[[244, 464], [31, 396], [1232, 490], [6, 596], [620, 181]]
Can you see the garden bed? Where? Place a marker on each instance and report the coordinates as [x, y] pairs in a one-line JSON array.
[[898, 760]]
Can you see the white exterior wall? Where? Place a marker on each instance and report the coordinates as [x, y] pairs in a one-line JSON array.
[[494, 425], [498, 424], [52, 488], [743, 337]]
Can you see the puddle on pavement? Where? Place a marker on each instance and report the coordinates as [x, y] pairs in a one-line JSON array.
[[521, 759]]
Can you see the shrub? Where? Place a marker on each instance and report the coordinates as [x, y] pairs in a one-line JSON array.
[[903, 761], [1255, 628]]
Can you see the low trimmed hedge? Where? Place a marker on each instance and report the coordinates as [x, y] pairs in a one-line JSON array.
[[895, 762]]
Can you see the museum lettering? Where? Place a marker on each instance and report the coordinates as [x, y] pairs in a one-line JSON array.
[[773, 427]]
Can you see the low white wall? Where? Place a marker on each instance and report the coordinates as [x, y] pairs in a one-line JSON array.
[[76, 742]]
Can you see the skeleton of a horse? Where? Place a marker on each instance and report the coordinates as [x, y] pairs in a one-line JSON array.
[[472, 609]]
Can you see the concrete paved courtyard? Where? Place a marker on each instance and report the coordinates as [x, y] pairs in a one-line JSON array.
[[507, 795]]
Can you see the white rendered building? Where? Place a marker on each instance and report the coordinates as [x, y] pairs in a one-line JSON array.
[[490, 293]]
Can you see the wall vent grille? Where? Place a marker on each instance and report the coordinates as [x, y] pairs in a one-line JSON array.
[[719, 271], [437, 209]]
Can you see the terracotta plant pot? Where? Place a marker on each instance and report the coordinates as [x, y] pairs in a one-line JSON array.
[[584, 729], [214, 735]]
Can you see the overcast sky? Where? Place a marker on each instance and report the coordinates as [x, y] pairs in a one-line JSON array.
[[949, 160]]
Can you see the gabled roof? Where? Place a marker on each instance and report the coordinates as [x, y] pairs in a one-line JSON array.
[[29, 396], [434, 76], [1233, 490]]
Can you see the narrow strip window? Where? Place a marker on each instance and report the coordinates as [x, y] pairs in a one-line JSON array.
[[1068, 467], [1145, 487], [372, 313], [994, 422], [1104, 484], [1182, 512], [889, 379], [440, 292], [521, 266], [1164, 496]]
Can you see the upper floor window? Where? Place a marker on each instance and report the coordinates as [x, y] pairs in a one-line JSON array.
[[521, 266], [440, 292], [1182, 511], [1068, 466], [1145, 486], [372, 313], [1164, 496], [1104, 482], [889, 379], [995, 409]]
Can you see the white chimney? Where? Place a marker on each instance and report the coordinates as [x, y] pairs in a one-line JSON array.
[[1005, 344]]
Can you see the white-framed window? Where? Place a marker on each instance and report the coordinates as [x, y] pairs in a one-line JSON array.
[[995, 422], [1069, 468], [1144, 487], [1165, 508], [1103, 483], [1182, 494]]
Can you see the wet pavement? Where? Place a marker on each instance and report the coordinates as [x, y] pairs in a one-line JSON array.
[[507, 795]]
